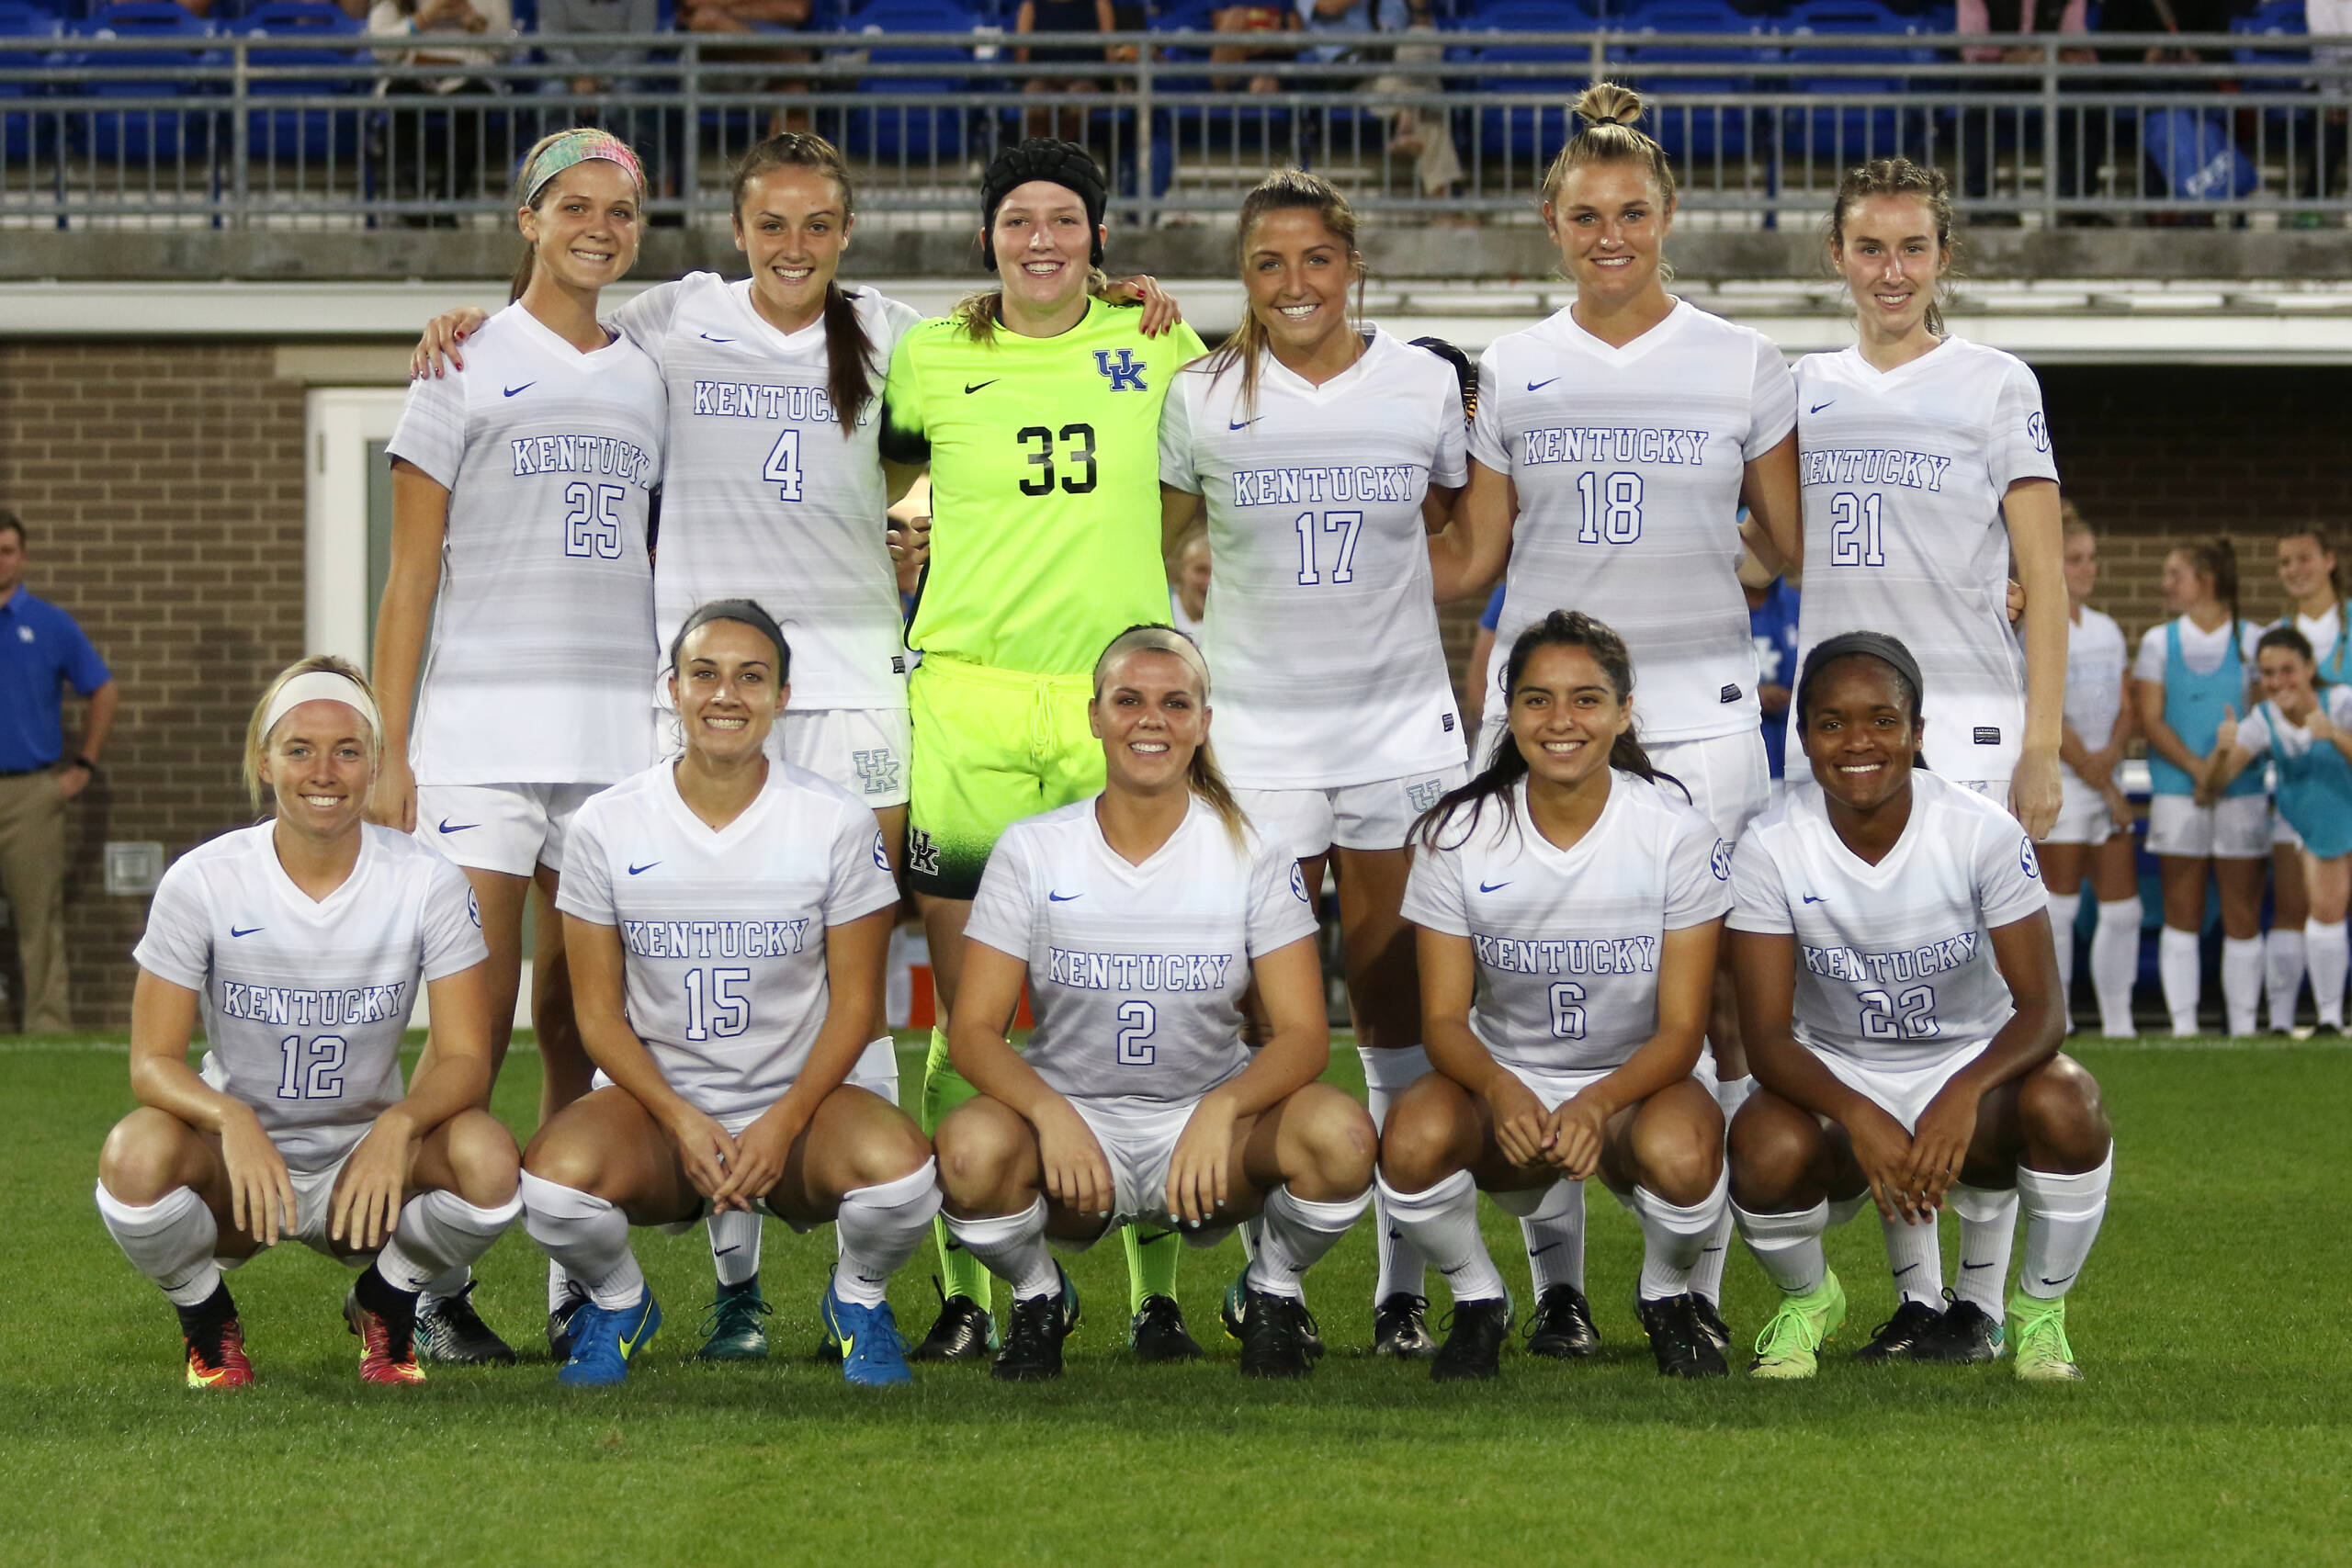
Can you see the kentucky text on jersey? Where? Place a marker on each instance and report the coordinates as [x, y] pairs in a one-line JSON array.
[[1874, 466], [714, 938], [1582, 956], [1140, 972], [1903, 964], [1600, 444], [315, 1009], [1313, 487], [583, 455], [745, 400]]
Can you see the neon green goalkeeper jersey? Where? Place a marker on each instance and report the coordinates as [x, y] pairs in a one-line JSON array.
[[1044, 485]]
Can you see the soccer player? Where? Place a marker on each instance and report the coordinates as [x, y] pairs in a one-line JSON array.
[[2304, 724], [2191, 672], [1037, 407], [520, 591], [2307, 571], [302, 941], [1321, 451], [1139, 918], [1899, 997], [2093, 835], [1611, 449], [1569, 902], [727, 917]]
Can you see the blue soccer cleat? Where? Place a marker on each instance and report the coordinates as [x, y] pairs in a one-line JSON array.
[[604, 1340], [873, 1354]]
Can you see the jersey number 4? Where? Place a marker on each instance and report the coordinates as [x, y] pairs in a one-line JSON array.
[[1076, 451], [783, 467]]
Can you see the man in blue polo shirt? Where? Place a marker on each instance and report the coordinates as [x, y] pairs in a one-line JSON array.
[[41, 650]]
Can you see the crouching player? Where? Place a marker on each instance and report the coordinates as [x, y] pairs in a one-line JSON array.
[[1569, 903], [726, 916], [303, 939], [1899, 995], [1139, 918]]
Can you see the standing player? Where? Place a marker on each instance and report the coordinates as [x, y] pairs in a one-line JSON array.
[[2307, 571], [1900, 1001], [727, 918], [1613, 448], [520, 487], [2191, 672], [1138, 920], [1564, 858], [1037, 407], [303, 941], [2093, 835], [1321, 451]]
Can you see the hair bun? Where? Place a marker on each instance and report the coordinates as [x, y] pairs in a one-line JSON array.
[[1608, 103]]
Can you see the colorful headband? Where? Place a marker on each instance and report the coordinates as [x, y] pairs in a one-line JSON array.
[[323, 685], [576, 146]]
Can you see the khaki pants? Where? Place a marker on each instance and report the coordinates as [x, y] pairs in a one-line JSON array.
[[32, 876]]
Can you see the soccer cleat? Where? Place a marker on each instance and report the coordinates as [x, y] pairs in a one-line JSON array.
[[1156, 1331], [1474, 1340], [1279, 1338], [1235, 1306], [1562, 1327], [2039, 1331], [1791, 1341], [1677, 1339], [1400, 1327], [1903, 1337], [1036, 1329], [873, 1356], [604, 1340], [575, 1296], [387, 1342], [732, 1330], [215, 1342], [964, 1331], [1712, 1323], [450, 1331], [1964, 1334]]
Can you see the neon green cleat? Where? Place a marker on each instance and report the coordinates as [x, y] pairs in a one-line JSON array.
[[1790, 1345], [2037, 1330]]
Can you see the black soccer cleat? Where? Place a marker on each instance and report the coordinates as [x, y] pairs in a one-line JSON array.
[[1963, 1335], [1400, 1327], [1034, 1335], [450, 1332], [560, 1320], [1474, 1341], [1156, 1331], [1562, 1327], [1898, 1339], [1678, 1341], [1712, 1323], [964, 1331], [1279, 1338]]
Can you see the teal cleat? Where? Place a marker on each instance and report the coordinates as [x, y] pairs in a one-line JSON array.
[[731, 1329], [873, 1354], [602, 1341]]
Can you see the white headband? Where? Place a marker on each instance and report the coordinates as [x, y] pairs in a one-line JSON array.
[[322, 685]]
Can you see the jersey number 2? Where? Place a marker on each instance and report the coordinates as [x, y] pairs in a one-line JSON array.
[[1135, 1039]]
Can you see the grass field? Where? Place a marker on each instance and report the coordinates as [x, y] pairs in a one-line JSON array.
[[2215, 1425]]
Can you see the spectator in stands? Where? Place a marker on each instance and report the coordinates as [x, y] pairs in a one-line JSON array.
[[2159, 17], [2319, 141], [2080, 145], [1424, 134], [1063, 17], [434, 153], [1251, 20], [41, 651], [599, 68], [740, 16]]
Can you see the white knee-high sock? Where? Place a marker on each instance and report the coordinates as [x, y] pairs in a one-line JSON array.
[[1989, 1229], [1296, 1234], [2177, 964], [1915, 1257], [2240, 981], [169, 1240], [439, 1235], [1014, 1249], [2324, 946], [1554, 1232], [2061, 1218], [735, 1245], [586, 1237], [1387, 1074], [2063, 907], [2282, 972], [1443, 1222], [1672, 1236], [880, 1229], [1788, 1246], [1707, 1278], [2115, 964]]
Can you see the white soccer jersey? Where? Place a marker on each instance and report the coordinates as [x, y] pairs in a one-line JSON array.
[[723, 933], [305, 999], [2258, 732], [1568, 941], [1902, 473], [1892, 967], [1321, 633], [1137, 972], [2095, 666], [542, 646], [1628, 463], [764, 496]]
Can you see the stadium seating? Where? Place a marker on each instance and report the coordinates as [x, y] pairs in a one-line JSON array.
[[25, 131], [303, 134], [1689, 131], [1528, 131], [1851, 133], [138, 134], [912, 131]]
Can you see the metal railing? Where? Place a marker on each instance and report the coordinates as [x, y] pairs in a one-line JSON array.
[[300, 131]]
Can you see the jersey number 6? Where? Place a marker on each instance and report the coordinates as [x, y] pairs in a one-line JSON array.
[[1078, 451]]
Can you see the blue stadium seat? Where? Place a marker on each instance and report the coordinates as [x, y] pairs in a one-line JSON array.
[[140, 134], [2274, 22], [1851, 133], [912, 131], [1262, 124], [24, 130], [306, 134], [1693, 131], [1529, 131]]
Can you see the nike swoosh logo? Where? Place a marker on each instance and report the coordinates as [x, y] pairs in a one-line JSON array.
[[1540, 1251], [1492, 887], [448, 827], [628, 1343], [971, 387], [648, 865], [1539, 386], [707, 338], [1063, 897], [247, 931], [875, 1278], [1819, 407], [1457, 1268], [1966, 1265], [1814, 898], [1242, 423], [1900, 1272], [2060, 1282], [723, 1251], [523, 388]]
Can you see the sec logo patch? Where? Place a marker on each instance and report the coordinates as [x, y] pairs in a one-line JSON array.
[[1298, 884], [2026, 860]]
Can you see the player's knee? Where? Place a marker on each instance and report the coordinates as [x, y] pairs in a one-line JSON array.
[[1680, 1159], [1341, 1146], [2062, 1113], [889, 1148], [1773, 1145], [1415, 1144], [566, 1160], [483, 1159], [138, 1164], [975, 1160]]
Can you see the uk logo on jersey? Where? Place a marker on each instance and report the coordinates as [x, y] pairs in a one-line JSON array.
[[1422, 793], [878, 771], [1121, 368]]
